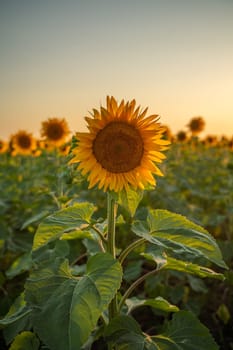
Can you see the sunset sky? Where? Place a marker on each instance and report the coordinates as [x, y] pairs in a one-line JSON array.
[[61, 58]]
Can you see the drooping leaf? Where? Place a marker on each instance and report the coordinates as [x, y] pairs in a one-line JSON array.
[[185, 332], [175, 232], [71, 305], [201, 271], [18, 310], [158, 303], [16, 320], [68, 219], [170, 263], [126, 333], [25, 341]]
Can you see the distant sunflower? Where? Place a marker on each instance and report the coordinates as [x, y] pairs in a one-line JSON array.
[[211, 140], [23, 143], [181, 136], [196, 125], [3, 146], [55, 131], [121, 147]]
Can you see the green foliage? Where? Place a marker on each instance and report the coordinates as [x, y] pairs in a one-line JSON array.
[[174, 232], [124, 332], [65, 308], [72, 219], [25, 341], [61, 289], [185, 332], [158, 303]]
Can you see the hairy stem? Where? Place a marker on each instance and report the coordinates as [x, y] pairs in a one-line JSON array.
[[129, 249], [111, 217], [134, 286]]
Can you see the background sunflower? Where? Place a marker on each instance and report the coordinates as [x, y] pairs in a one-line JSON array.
[[22, 143], [55, 131]]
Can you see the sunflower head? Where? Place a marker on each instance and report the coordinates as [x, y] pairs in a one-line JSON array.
[[22, 143], [181, 136], [196, 125], [121, 147], [55, 131], [211, 140]]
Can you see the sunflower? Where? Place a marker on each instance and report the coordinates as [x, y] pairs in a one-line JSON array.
[[121, 147], [22, 143], [211, 140], [3, 146], [196, 125], [181, 136], [55, 131]]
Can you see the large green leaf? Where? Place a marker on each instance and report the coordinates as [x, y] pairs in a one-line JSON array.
[[175, 232], [69, 219], [126, 333], [66, 309], [185, 332]]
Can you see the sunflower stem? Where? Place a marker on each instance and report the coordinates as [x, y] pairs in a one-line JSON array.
[[134, 286], [129, 249], [111, 217]]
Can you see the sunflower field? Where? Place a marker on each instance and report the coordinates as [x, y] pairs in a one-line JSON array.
[[100, 258]]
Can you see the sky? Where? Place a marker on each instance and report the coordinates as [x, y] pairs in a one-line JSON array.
[[62, 58]]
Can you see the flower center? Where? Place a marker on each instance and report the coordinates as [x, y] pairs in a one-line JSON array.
[[24, 141], [118, 147], [55, 132]]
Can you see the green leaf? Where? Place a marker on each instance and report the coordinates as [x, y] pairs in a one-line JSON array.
[[71, 305], [158, 303], [130, 200], [175, 232], [169, 263], [69, 219], [16, 320], [185, 332], [25, 341], [36, 218], [126, 333], [133, 270], [201, 271], [20, 265], [77, 234], [223, 313], [18, 310]]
